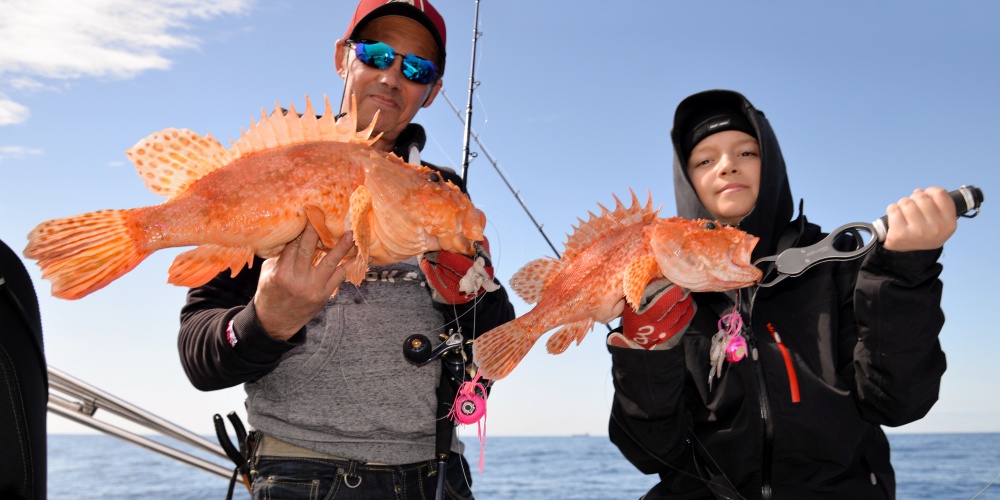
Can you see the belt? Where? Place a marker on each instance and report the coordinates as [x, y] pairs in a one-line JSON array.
[[273, 447]]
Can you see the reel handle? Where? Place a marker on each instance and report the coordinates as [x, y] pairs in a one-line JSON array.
[[966, 198]]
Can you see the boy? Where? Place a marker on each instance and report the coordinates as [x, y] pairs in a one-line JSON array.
[[833, 354]]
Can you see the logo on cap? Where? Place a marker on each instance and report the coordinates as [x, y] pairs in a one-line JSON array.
[[719, 124], [411, 2]]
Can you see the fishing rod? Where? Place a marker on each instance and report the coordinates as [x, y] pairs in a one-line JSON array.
[[468, 133], [496, 166], [468, 107], [467, 123]]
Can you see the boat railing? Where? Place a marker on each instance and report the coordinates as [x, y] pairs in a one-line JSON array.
[[78, 401]]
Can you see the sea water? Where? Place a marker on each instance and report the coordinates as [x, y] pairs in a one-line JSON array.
[[928, 466]]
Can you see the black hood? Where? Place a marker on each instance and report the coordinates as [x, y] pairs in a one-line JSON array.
[[774, 208]]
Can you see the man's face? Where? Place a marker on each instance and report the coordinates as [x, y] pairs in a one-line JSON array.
[[388, 91], [724, 169]]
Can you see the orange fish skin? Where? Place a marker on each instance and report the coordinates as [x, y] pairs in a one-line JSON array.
[[235, 206], [283, 173], [607, 263]]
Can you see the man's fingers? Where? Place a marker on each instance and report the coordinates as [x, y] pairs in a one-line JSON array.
[[336, 254], [307, 243], [339, 275]]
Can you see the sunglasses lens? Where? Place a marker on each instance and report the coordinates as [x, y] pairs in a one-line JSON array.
[[380, 55], [418, 70], [375, 54]]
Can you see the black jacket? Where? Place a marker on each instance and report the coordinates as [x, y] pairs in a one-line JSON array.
[[211, 363], [24, 384], [834, 354]]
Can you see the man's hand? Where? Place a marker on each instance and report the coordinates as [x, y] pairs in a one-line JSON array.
[[664, 314], [457, 279], [292, 289], [924, 221]]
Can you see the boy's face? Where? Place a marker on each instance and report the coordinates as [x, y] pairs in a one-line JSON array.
[[724, 169], [387, 90]]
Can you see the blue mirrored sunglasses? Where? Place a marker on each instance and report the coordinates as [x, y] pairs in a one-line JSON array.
[[380, 55]]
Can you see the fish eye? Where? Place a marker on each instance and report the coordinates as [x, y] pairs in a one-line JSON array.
[[434, 177], [709, 225]]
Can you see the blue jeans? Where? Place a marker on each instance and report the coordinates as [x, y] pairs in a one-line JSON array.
[[317, 478]]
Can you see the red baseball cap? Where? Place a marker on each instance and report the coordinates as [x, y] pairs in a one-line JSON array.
[[420, 11]]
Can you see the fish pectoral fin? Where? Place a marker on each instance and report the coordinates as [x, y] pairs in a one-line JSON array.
[[361, 224], [531, 281], [317, 218], [560, 340], [637, 274], [198, 266]]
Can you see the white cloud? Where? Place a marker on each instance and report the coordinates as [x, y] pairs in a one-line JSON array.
[[11, 112], [14, 152], [56, 39]]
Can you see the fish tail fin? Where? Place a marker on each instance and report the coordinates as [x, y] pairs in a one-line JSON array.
[[85, 253], [498, 351]]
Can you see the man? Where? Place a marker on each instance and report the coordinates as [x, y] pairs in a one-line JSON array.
[[334, 404]]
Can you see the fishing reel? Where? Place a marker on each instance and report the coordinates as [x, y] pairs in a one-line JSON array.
[[417, 348]]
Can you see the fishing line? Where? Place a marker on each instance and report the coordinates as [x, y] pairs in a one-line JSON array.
[[987, 486], [499, 170]]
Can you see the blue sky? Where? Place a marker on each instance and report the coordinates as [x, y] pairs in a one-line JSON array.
[[575, 100]]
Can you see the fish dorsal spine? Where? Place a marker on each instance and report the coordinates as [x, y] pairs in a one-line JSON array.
[[608, 222], [170, 160], [283, 129]]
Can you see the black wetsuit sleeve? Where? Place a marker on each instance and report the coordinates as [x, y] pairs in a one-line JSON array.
[[898, 358], [216, 355]]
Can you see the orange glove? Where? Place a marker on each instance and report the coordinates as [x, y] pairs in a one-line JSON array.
[[452, 276], [664, 314]]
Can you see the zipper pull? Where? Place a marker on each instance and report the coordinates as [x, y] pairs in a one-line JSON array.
[[793, 379]]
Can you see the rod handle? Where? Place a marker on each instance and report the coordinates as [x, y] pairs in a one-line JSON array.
[[966, 198]]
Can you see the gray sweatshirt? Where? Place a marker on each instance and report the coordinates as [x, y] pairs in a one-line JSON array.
[[348, 391]]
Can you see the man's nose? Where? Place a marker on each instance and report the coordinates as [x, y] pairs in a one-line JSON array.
[[391, 75]]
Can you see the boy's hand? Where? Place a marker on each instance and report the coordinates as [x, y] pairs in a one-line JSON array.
[[924, 221], [664, 314]]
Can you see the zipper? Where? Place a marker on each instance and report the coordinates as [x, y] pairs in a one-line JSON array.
[[793, 379], [765, 407]]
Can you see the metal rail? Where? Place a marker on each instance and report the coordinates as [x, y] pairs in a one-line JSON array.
[[78, 401]]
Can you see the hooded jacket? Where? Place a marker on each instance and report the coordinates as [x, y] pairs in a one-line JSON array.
[[834, 354]]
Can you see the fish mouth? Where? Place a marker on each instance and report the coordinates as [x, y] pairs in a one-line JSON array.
[[741, 257], [473, 230]]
